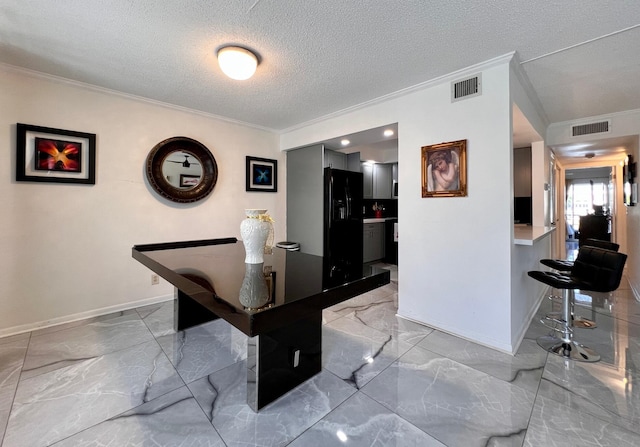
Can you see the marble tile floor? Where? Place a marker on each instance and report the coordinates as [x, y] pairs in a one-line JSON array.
[[128, 379]]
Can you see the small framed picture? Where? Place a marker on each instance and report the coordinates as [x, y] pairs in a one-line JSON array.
[[444, 169], [262, 174], [44, 154], [188, 181]]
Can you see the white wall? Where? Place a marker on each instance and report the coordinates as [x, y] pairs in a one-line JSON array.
[[526, 293], [633, 241], [633, 232], [454, 253], [65, 250], [524, 97]]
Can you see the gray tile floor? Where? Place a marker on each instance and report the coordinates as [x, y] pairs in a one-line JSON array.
[[129, 379]]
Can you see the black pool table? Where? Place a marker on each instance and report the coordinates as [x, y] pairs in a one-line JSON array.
[[285, 332]]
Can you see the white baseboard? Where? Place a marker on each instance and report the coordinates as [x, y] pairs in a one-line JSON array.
[[15, 330], [472, 338]]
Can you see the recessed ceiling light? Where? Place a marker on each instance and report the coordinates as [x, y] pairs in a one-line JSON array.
[[345, 142], [590, 155], [237, 63], [388, 132]]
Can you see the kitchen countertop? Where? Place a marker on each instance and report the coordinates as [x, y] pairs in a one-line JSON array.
[[527, 234], [377, 219]]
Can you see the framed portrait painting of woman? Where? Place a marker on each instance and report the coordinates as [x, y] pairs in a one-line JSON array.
[[444, 169]]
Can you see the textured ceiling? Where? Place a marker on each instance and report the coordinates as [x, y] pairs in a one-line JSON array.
[[319, 57]]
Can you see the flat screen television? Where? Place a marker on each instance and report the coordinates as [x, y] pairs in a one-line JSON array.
[[522, 210]]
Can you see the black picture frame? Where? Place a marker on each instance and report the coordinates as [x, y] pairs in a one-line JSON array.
[[45, 154], [262, 174]]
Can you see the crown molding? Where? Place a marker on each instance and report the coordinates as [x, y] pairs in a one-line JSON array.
[[94, 88]]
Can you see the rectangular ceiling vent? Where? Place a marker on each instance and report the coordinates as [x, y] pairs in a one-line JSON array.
[[466, 88], [588, 129]]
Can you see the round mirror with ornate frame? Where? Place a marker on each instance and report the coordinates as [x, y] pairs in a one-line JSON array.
[[182, 170]]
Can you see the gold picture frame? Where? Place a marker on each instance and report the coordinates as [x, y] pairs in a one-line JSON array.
[[444, 169]]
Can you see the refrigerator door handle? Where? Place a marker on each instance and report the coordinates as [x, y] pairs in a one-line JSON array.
[[330, 217], [347, 197]]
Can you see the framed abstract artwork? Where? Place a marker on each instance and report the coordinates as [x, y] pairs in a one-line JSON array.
[[444, 169], [262, 174], [45, 154]]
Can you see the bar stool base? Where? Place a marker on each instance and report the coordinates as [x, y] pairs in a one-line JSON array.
[[569, 350], [577, 321]]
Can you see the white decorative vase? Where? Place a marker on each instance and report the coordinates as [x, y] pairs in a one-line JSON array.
[[255, 231], [254, 292]]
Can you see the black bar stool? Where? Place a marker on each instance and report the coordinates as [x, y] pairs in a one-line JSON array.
[[562, 265], [595, 269]]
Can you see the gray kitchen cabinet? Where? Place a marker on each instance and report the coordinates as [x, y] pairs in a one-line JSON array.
[[382, 181], [367, 180], [335, 160], [353, 162], [373, 241]]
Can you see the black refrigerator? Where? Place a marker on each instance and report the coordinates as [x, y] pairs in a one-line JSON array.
[[342, 226]]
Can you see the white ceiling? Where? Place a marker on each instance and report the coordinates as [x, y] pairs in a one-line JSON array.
[[602, 149], [319, 57]]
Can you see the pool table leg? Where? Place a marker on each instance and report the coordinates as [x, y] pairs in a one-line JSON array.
[[282, 359]]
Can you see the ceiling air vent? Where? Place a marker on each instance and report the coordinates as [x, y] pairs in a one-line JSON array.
[[587, 129], [466, 88]]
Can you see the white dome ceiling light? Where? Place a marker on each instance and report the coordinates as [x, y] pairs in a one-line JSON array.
[[237, 63]]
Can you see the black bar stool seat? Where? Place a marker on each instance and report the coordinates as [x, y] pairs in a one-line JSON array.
[[562, 265], [596, 270], [560, 280]]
